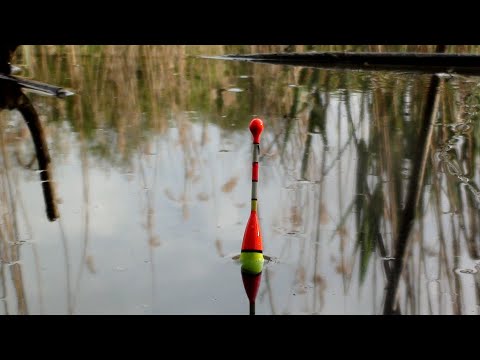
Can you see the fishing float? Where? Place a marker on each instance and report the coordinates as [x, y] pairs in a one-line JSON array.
[[251, 255]]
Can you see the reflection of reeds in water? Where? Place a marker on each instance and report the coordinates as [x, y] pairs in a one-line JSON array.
[[391, 139], [9, 232], [129, 94], [124, 91]]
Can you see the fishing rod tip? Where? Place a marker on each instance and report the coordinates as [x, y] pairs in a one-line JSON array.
[[256, 128]]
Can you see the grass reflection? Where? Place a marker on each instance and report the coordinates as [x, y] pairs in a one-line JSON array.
[[342, 149]]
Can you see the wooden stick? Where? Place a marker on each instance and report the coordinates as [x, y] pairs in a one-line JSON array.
[[30, 115], [12, 97]]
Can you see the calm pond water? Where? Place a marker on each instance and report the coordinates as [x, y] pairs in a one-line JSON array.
[[151, 160]]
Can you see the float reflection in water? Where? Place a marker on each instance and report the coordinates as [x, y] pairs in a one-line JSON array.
[[251, 277]]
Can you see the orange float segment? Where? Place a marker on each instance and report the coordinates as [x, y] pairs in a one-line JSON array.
[[252, 238]]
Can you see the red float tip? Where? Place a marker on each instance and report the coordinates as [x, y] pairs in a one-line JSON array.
[[256, 127]]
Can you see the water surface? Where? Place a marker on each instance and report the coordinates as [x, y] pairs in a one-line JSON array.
[[152, 166]]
